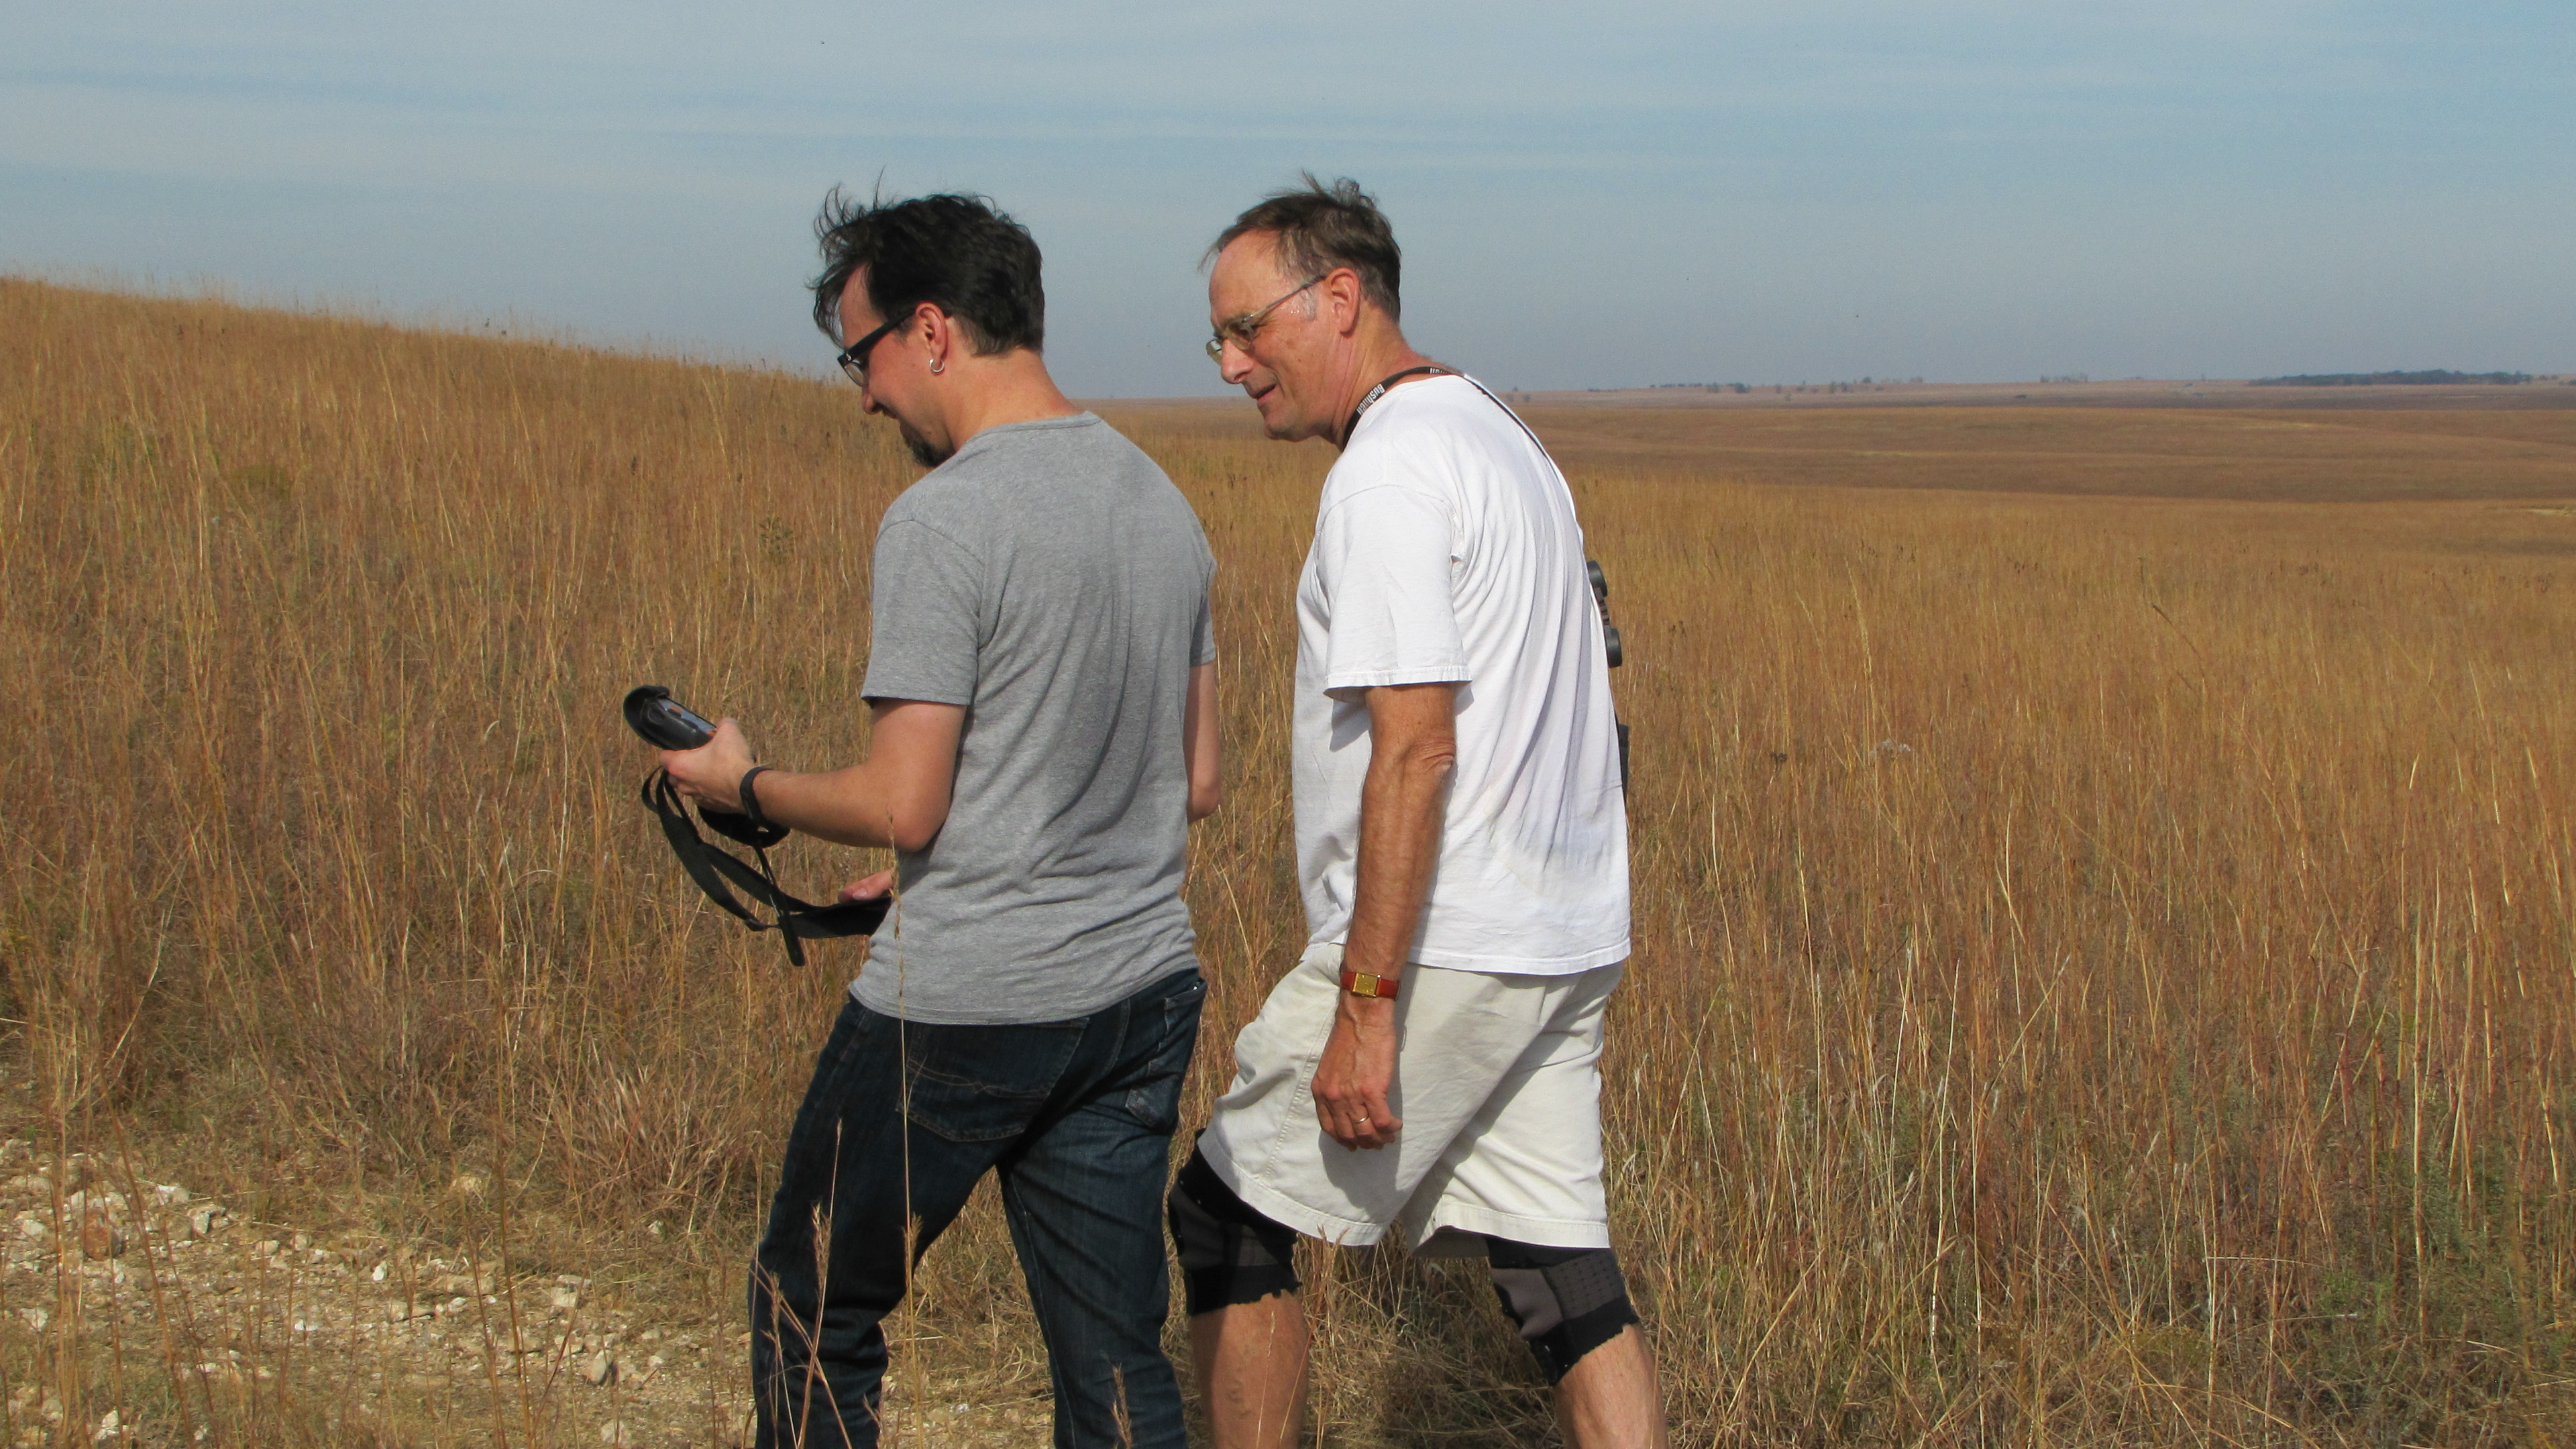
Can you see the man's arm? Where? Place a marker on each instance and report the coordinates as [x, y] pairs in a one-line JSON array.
[[1413, 745], [1199, 743], [898, 796]]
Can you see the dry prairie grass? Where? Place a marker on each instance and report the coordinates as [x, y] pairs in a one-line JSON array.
[[2104, 964], [2113, 452], [2241, 453]]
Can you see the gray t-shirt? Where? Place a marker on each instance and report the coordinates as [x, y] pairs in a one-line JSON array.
[[1053, 581]]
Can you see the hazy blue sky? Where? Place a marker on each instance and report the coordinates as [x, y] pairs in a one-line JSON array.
[[1595, 195]]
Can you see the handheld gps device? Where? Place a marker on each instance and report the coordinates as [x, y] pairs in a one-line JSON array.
[[664, 722]]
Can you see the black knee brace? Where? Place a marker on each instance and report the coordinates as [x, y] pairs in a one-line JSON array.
[[1567, 1301], [1230, 1253]]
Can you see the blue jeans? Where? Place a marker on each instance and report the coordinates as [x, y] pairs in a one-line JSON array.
[[1075, 1116]]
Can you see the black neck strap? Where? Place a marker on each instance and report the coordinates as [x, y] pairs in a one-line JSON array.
[[1379, 391]]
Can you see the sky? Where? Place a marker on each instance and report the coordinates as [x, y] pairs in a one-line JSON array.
[[1615, 194]]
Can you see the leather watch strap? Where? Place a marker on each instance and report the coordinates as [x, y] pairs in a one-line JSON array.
[[1365, 983]]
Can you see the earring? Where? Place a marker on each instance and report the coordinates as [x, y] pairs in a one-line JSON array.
[[937, 366]]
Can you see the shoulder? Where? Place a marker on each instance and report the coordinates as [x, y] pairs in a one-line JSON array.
[[1008, 482], [1017, 456], [1042, 443], [1105, 465], [1436, 435], [938, 502], [963, 496], [945, 516]]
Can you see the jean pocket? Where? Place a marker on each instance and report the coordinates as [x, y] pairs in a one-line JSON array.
[[986, 1083], [1154, 1098]]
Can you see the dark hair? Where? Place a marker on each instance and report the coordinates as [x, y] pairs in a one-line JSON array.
[[957, 253], [1321, 227]]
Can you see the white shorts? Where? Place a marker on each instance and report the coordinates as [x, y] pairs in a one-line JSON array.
[[1497, 1082]]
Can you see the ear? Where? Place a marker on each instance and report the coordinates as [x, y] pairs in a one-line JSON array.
[[937, 333], [1343, 299]]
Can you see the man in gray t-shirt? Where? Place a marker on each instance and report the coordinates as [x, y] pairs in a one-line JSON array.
[[1051, 580], [1041, 673]]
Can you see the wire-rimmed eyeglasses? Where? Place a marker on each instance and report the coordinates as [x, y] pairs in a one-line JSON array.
[[1241, 330]]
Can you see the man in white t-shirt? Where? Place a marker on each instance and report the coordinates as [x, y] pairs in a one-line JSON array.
[[1434, 1058]]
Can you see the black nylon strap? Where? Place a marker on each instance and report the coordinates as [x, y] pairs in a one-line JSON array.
[[719, 873], [1379, 391], [1516, 419]]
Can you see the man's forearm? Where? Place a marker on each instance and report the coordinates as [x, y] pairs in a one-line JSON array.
[[1199, 746], [1403, 801], [1400, 809], [898, 796], [845, 807]]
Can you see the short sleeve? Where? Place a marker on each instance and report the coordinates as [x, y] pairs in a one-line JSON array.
[[1383, 556], [924, 601]]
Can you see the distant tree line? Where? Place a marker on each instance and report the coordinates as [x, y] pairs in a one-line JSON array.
[[2383, 379]]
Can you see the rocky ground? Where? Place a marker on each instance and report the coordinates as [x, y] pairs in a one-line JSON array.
[[146, 1313]]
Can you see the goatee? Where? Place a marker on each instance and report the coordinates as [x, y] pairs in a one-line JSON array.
[[922, 452]]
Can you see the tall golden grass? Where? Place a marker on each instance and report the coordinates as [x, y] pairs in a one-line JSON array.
[[2103, 964]]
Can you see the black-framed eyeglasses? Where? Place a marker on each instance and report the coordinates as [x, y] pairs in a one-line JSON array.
[[1241, 330], [854, 358]]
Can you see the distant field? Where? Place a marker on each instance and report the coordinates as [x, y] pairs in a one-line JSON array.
[[2106, 886], [2556, 392], [2277, 455]]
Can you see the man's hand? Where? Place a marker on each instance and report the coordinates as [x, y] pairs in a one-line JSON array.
[[1413, 741], [868, 887], [1356, 1072], [711, 774]]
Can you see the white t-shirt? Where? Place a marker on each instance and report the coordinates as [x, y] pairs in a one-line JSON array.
[[1446, 549]]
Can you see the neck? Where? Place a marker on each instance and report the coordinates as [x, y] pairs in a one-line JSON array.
[[1009, 387], [1377, 349]]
